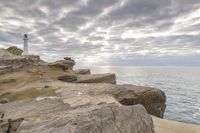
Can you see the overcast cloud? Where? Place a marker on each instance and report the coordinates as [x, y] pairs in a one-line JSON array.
[[105, 32]]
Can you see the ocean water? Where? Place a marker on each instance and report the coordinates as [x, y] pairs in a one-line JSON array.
[[180, 84]]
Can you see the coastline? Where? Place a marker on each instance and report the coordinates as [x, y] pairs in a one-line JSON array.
[[61, 89]]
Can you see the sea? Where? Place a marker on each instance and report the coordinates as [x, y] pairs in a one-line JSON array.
[[180, 84]]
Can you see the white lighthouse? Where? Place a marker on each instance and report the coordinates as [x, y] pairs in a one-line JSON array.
[[25, 50]]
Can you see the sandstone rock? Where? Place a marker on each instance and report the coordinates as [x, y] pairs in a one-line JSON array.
[[10, 125], [14, 50], [68, 78], [93, 94], [97, 78], [83, 71], [56, 116], [25, 109], [152, 99], [5, 69], [80, 108], [94, 119], [65, 65], [14, 63], [78, 95]]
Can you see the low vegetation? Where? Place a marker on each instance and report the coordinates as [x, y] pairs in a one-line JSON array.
[[14, 50]]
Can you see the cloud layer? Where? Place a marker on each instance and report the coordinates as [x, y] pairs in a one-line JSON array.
[[105, 32]]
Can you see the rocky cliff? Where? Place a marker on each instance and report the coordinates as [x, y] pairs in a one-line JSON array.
[[10, 60], [55, 98]]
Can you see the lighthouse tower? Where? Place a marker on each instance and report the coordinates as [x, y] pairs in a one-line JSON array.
[[25, 49]]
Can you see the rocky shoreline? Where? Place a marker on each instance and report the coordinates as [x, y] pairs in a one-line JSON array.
[[41, 97]]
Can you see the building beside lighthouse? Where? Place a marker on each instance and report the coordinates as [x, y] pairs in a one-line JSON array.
[[25, 49]]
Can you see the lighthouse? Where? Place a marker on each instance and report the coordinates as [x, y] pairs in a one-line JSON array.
[[25, 49]]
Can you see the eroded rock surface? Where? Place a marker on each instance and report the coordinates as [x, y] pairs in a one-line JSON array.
[[151, 98], [103, 118], [24, 109], [83, 71], [92, 78], [82, 94], [66, 65], [10, 62], [97, 78], [9, 125]]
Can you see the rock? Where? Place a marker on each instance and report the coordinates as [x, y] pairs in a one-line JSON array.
[[34, 59], [93, 94], [5, 69], [25, 109], [65, 65], [152, 99], [10, 125], [1, 116], [58, 65], [97, 78], [83, 71], [79, 95], [55, 115], [68, 78], [5, 54], [14, 50], [67, 58], [4, 100], [94, 105], [15, 63], [94, 119]]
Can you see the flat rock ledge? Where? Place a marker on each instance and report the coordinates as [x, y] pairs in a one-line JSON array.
[[91, 78]]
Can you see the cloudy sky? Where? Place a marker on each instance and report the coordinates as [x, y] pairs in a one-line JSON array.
[[105, 32]]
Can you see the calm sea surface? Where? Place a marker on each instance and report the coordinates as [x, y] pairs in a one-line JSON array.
[[181, 85]]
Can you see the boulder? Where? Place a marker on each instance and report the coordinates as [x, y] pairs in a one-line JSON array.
[[83, 71], [65, 65], [97, 78], [151, 98], [68, 78]]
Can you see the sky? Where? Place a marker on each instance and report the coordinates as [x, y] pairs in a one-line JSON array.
[[105, 32]]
